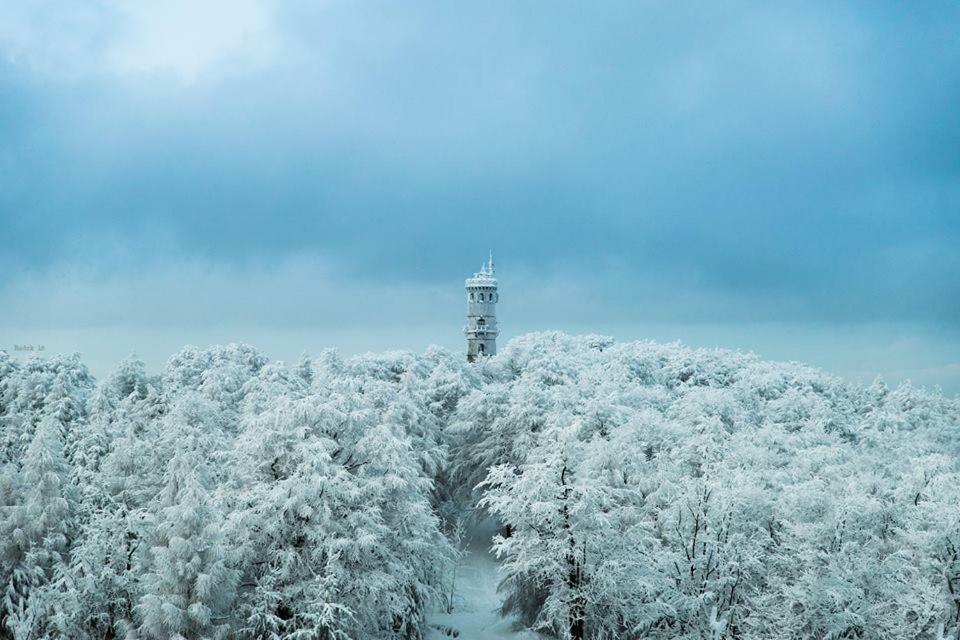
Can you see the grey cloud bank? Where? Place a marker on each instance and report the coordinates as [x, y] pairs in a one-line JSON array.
[[782, 178]]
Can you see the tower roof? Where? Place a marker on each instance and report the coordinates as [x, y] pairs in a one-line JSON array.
[[484, 277]]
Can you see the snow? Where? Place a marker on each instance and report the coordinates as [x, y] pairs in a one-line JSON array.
[[476, 601], [650, 490]]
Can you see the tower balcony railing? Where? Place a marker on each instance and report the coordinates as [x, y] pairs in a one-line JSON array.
[[489, 331]]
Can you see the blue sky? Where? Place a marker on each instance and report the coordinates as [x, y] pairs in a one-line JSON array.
[[781, 177]]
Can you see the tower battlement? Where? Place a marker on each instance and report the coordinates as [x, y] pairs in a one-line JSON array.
[[482, 297]]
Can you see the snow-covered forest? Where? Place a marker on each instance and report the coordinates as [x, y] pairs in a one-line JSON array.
[[640, 490]]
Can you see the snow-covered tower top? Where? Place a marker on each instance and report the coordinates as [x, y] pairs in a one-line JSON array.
[[482, 296], [484, 277]]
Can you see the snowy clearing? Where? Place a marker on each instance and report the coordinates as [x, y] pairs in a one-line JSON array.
[[476, 601]]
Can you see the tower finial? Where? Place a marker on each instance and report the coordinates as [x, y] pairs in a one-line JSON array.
[[490, 263]]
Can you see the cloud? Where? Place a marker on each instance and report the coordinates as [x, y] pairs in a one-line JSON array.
[[65, 40], [56, 39], [654, 163], [189, 38]]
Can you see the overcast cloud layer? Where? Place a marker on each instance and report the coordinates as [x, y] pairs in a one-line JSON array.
[[772, 176]]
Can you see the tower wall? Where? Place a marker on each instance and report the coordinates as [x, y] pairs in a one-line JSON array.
[[482, 297]]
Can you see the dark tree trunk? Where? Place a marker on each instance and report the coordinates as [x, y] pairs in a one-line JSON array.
[[577, 604], [577, 616]]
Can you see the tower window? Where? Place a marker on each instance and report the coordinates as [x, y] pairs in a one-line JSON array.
[[471, 296], [481, 297], [480, 348]]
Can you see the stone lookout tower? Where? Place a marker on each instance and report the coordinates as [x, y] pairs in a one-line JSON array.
[[481, 329]]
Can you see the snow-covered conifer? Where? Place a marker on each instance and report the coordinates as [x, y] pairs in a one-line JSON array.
[[35, 531], [187, 578]]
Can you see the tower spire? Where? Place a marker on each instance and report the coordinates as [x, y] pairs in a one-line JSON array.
[[490, 263]]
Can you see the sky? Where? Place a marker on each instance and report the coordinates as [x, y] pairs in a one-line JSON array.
[[782, 178]]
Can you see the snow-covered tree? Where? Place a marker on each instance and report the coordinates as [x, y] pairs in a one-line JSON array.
[[187, 578], [642, 490], [35, 531]]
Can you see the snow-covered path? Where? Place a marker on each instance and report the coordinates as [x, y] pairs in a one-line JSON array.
[[476, 600]]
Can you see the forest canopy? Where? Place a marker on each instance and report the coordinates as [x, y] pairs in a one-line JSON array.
[[642, 490]]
